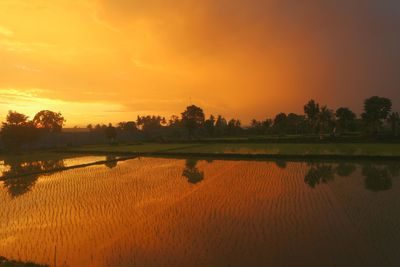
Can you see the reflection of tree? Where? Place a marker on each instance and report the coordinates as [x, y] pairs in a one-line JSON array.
[[345, 169], [11, 263], [281, 163], [19, 186], [394, 168], [325, 172], [209, 160], [319, 173], [16, 180], [111, 162], [192, 172], [377, 178]]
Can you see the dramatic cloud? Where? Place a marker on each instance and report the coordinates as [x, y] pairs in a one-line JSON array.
[[241, 58]]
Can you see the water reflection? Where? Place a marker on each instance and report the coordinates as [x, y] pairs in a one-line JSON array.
[[191, 172], [282, 164], [378, 176], [15, 178], [111, 162], [4, 262], [19, 174], [319, 173], [345, 169]]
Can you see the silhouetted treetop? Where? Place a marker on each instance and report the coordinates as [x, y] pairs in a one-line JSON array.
[[345, 118], [394, 121], [17, 131], [192, 118], [376, 109], [111, 133], [49, 121], [129, 126], [16, 118]]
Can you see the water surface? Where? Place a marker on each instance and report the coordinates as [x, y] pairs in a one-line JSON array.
[[169, 212]]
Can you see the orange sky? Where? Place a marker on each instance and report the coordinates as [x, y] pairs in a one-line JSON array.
[[111, 60]]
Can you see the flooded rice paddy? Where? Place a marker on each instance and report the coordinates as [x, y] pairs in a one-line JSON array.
[[177, 212]]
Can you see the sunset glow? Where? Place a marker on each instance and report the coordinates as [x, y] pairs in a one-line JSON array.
[[111, 60]]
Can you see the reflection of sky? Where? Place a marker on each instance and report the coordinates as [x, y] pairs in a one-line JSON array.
[[4, 167], [82, 160], [67, 162]]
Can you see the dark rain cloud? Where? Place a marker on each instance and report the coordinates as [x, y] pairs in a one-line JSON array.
[[351, 46]]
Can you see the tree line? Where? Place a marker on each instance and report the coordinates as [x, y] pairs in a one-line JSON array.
[[18, 130], [317, 120]]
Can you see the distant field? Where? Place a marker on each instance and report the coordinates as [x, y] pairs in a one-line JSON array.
[[138, 148], [298, 149], [253, 148]]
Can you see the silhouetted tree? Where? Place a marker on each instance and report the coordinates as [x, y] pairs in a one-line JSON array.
[[376, 109], [233, 127], [394, 121], [111, 133], [260, 127], [325, 121], [266, 124], [49, 121], [129, 126], [17, 131], [311, 109], [220, 126], [193, 118], [175, 128], [151, 125], [345, 119], [16, 119], [280, 123], [209, 125], [89, 127], [174, 121], [100, 127], [256, 127], [295, 124]]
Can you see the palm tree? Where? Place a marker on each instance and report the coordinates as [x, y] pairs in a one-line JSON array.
[[312, 110]]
